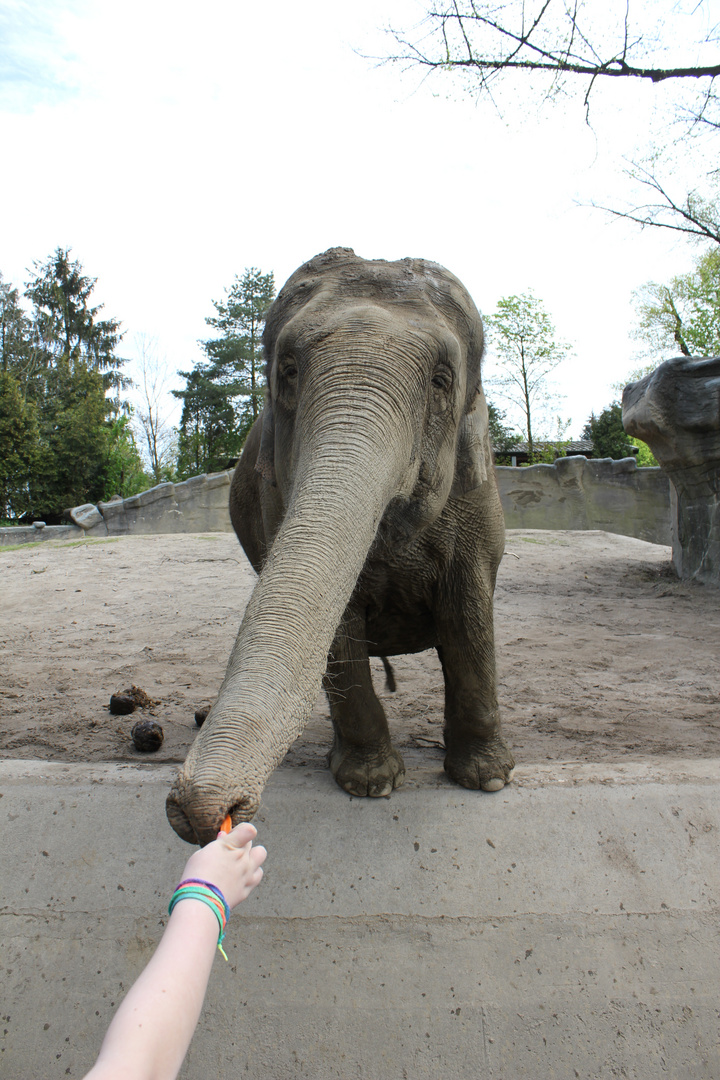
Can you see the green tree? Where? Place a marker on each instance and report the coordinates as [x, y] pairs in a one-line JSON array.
[[123, 473], [236, 355], [68, 326], [20, 350], [73, 437], [88, 451], [72, 441], [645, 458], [208, 436], [608, 434], [683, 316], [223, 395], [524, 341], [15, 328], [501, 436], [19, 450]]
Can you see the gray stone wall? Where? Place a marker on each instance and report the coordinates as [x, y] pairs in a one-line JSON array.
[[577, 493], [31, 534], [574, 493], [199, 504]]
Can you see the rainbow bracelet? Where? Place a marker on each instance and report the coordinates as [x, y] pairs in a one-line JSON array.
[[208, 894], [213, 888]]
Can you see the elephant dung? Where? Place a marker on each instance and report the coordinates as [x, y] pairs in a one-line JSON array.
[[147, 736]]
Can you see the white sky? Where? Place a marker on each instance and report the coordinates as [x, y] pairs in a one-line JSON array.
[[173, 144]]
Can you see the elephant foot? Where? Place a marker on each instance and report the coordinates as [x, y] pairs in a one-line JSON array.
[[366, 770], [486, 766]]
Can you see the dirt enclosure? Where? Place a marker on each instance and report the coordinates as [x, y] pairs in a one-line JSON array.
[[603, 656]]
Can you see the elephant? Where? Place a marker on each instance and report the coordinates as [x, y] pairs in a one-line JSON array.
[[366, 500]]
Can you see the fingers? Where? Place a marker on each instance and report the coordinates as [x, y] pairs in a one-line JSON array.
[[253, 880], [242, 835], [258, 855]]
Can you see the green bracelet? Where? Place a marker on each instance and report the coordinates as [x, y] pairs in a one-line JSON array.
[[200, 892]]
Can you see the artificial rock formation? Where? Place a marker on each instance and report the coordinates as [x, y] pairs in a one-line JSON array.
[[676, 411]]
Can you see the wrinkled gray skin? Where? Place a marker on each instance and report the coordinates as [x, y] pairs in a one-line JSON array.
[[366, 499]]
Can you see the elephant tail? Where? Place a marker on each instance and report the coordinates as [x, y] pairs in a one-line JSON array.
[[390, 683]]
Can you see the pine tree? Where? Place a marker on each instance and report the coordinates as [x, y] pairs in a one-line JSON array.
[[223, 395], [608, 434], [74, 440], [63, 441], [208, 437], [68, 326], [19, 451], [236, 356]]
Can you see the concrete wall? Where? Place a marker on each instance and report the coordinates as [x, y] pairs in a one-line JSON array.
[[199, 504], [31, 534], [577, 493], [574, 493]]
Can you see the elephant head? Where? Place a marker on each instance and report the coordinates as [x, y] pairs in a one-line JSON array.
[[374, 415]]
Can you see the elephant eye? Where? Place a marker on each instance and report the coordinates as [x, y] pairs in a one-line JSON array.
[[288, 368], [441, 379]]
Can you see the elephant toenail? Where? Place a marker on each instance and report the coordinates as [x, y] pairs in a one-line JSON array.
[[493, 785], [386, 789]]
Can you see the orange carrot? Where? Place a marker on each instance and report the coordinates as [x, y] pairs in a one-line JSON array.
[[226, 825]]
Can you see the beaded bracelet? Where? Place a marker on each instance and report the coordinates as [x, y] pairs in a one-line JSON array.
[[194, 889]]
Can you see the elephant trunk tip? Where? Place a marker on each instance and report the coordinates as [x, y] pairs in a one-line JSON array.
[[203, 826], [180, 821]]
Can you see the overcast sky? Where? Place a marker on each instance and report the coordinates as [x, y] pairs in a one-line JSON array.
[[171, 145]]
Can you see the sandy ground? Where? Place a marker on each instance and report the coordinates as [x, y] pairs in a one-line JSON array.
[[603, 656]]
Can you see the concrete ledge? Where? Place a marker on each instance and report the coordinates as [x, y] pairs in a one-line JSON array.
[[565, 925], [28, 534]]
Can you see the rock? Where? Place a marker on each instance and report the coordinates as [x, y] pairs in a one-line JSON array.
[[201, 716], [86, 516], [676, 411], [38, 524], [121, 704], [147, 735]]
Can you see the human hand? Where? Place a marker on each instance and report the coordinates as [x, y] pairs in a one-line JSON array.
[[231, 863]]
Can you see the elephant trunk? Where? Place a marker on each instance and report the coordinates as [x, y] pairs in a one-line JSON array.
[[341, 488]]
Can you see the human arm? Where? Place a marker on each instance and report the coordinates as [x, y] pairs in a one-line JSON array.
[[151, 1031]]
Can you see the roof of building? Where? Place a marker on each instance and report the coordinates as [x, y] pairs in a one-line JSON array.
[[573, 446]]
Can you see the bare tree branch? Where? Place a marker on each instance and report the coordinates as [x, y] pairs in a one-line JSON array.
[[693, 216], [157, 435], [490, 39], [564, 40]]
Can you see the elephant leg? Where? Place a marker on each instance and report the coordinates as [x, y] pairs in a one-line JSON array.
[[362, 758], [477, 755]]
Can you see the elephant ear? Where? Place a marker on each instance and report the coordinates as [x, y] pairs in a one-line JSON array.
[[265, 464], [473, 457]]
